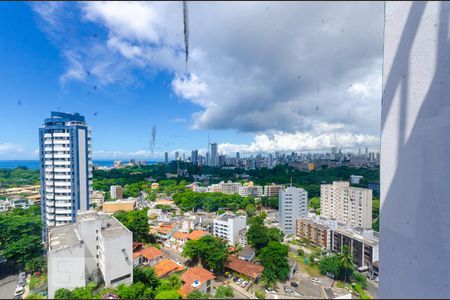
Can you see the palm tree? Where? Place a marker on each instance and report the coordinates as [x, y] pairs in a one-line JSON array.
[[346, 259]]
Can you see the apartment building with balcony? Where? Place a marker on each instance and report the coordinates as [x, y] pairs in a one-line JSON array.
[[293, 204], [66, 168], [346, 204], [318, 232]]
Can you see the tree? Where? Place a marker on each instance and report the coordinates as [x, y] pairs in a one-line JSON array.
[[134, 291], [346, 259], [147, 276], [63, 294], [257, 236], [250, 209], [224, 292], [137, 222], [170, 294], [376, 224], [274, 258], [330, 265], [84, 292], [196, 294], [314, 203], [210, 251], [300, 252]]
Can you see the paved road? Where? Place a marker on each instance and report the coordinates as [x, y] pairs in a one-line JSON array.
[[8, 281]]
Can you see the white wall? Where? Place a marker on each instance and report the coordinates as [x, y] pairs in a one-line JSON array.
[[66, 269], [415, 148], [115, 261]]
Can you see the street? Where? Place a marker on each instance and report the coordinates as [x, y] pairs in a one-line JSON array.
[[8, 281]]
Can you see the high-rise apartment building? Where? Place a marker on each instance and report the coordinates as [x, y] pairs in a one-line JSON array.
[[166, 158], [66, 168], [194, 157], [272, 190], [214, 156], [293, 204], [116, 192], [346, 204]]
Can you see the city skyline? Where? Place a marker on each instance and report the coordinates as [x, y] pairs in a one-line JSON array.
[[158, 105]]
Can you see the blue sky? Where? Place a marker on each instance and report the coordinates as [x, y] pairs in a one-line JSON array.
[[121, 66]]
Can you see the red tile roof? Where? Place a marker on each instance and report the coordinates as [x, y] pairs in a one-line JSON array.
[[244, 267], [197, 234], [149, 253], [166, 267], [191, 275], [180, 235]]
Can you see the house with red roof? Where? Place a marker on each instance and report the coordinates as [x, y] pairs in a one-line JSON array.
[[179, 239], [167, 267], [147, 256], [196, 278], [247, 269]]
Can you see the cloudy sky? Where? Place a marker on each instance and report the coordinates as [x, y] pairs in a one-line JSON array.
[[261, 77]]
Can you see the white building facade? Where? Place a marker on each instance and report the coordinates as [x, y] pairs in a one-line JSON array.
[[293, 204], [95, 248], [66, 168], [229, 227]]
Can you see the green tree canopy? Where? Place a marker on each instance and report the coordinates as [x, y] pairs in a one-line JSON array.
[[210, 251], [224, 291], [137, 222], [196, 294], [274, 258]]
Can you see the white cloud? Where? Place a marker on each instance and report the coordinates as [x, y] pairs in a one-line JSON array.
[[189, 87], [297, 71], [13, 151]]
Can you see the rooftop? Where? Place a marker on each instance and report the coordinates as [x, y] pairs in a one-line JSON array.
[[166, 267], [149, 253], [197, 234], [63, 236], [244, 267], [226, 217], [190, 276], [246, 251], [181, 235]]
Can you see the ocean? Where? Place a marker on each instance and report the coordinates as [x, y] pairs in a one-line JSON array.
[[34, 164]]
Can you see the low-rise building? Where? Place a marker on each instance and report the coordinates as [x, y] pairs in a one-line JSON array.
[[167, 267], [272, 190], [247, 253], [98, 197], [95, 248], [229, 227], [154, 186], [364, 244], [196, 278], [316, 231], [247, 269], [148, 256], [165, 230]]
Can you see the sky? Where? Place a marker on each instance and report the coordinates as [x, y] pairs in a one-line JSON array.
[[261, 76]]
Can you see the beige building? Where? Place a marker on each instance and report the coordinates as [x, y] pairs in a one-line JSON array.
[[346, 204]]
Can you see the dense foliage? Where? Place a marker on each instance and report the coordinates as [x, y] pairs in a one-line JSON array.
[[210, 251], [20, 237], [274, 258], [224, 292], [210, 202], [259, 236], [137, 222], [18, 176], [196, 294]]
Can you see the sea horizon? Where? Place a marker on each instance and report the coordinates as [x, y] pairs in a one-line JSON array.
[[34, 163]]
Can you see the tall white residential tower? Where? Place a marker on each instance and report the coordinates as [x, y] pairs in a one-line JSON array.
[[66, 168]]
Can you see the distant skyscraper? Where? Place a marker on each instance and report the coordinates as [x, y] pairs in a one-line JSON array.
[[292, 206], [270, 161], [334, 150], [208, 159], [238, 155], [166, 158], [367, 152], [177, 155], [184, 157], [214, 157], [66, 168], [194, 157]]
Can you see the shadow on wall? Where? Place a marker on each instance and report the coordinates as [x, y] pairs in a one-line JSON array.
[[415, 169]]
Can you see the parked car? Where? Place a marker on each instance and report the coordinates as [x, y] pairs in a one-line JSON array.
[[249, 285], [21, 281], [316, 280], [235, 278], [239, 281], [17, 297], [244, 283], [19, 290], [294, 284], [288, 290]]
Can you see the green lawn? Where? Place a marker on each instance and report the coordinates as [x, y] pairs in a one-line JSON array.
[[312, 270]]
